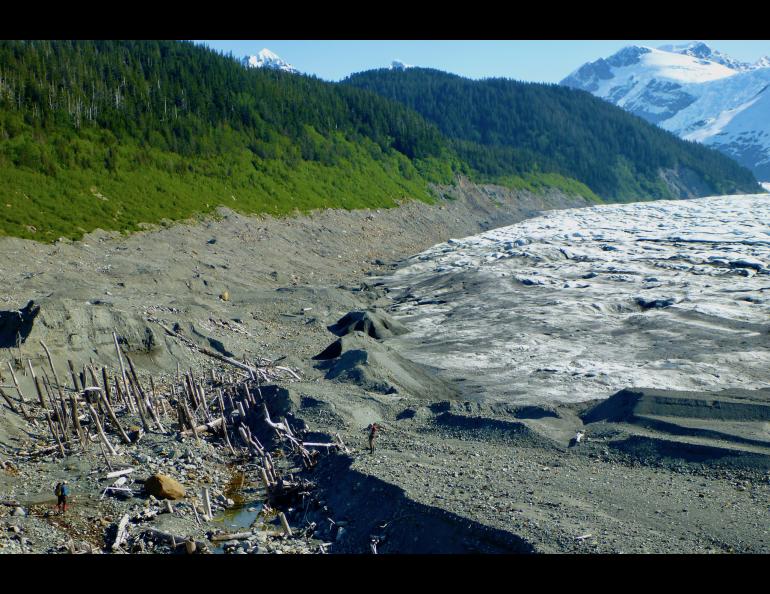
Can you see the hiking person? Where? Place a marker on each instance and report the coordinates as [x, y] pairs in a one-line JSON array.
[[373, 429], [577, 439], [62, 492]]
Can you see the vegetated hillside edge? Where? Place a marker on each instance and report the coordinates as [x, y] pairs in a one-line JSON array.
[[113, 134]]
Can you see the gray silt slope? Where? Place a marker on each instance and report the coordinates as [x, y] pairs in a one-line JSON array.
[[269, 267], [362, 360]]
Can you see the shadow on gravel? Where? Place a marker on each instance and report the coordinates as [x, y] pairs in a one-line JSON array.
[[16, 326], [650, 450], [366, 507], [487, 429]]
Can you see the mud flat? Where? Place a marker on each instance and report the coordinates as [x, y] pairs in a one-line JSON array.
[[453, 471]]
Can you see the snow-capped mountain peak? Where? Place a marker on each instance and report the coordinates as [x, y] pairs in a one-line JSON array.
[[268, 59], [703, 51], [692, 90]]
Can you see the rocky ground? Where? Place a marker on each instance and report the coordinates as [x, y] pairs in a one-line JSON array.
[[451, 473]]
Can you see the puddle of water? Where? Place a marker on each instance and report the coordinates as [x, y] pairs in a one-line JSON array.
[[237, 519], [243, 514]]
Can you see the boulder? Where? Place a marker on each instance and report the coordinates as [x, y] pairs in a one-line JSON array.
[[164, 487]]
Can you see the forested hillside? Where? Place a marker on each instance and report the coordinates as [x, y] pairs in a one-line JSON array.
[[502, 127], [113, 134]]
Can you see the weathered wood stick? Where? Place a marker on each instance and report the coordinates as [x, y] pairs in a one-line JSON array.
[[195, 511], [94, 379], [53, 371], [224, 422], [286, 425], [285, 523], [205, 427], [231, 536], [342, 443], [190, 419], [59, 414], [141, 399], [256, 445], [118, 473], [122, 367], [73, 375], [189, 391], [271, 467], [113, 418], [103, 436], [172, 538], [8, 400], [122, 533], [140, 409], [202, 394], [22, 408], [106, 380], [227, 437], [39, 390], [157, 399], [95, 382], [53, 432], [48, 390], [221, 401], [244, 436], [16, 384], [104, 453], [265, 478], [207, 504], [122, 398]]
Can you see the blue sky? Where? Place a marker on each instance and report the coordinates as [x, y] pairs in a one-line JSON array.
[[540, 60]]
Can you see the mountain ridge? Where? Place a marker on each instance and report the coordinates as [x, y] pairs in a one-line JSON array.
[[691, 90], [267, 59], [495, 122]]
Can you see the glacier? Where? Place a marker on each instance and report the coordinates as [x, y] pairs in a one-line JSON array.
[[577, 304]]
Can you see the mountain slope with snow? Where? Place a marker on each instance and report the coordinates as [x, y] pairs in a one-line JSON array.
[[693, 91], [267, 59]]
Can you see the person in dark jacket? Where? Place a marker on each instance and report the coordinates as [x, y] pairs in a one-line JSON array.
[[373, 429], [62, 492]]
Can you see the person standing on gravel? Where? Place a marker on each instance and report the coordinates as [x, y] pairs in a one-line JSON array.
[[62, 492], [373, 429]]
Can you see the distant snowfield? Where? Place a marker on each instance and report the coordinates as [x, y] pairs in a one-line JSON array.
[[577, 304]]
